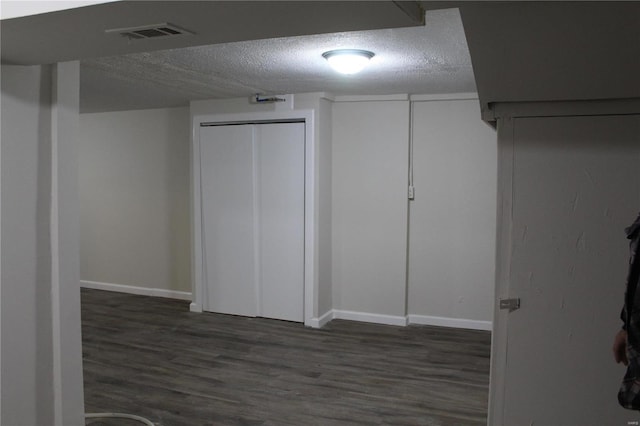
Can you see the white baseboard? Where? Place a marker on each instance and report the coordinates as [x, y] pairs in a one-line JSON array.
[[319, 322], [399, 320], [313, 322], [450, 322], [144, 291], [369, 317]]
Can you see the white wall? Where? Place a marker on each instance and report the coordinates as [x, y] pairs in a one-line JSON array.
[[41, 372], [134, 200], [369, 178], [325, 269], [449, 277], [453, 216], [361, 200]]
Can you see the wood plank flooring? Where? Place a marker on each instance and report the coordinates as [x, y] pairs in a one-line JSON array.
[[152, 357]]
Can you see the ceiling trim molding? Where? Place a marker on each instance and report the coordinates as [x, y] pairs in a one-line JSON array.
[[371, 98], [445, 97], [413, 10], [628, 106]]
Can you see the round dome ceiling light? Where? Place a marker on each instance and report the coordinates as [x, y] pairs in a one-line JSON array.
[[348, 61]]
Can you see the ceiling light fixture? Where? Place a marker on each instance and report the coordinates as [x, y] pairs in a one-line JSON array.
[[348, 61]]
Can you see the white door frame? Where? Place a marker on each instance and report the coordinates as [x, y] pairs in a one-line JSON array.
[[197, 265]]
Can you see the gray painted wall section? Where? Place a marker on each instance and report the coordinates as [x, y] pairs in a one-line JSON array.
[[567, 188], [27, 382], [65, 287], [41, 346]]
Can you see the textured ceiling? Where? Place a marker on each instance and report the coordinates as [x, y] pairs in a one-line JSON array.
[[521, 51], [84, 32], [433, 58]]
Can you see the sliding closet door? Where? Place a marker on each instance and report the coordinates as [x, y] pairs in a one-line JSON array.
[[280, 150], [252, 179], [226, 157]]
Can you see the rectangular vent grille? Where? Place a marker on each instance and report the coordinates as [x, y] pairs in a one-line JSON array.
[[149, 31]]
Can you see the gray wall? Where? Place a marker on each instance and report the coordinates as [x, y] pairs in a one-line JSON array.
[[569, 185], [27, 383], [40, 316]]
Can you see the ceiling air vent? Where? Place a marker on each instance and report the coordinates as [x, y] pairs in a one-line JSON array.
[[149, 31]]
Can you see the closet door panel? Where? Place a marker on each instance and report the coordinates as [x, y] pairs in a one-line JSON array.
[[227, 184], [280, 153]]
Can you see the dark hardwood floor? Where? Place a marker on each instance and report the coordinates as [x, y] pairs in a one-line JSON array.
[[152, 357]]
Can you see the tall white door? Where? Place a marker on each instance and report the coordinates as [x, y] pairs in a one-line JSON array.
[[227, 176], [570, 185], [280, 161], [253, 219]]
